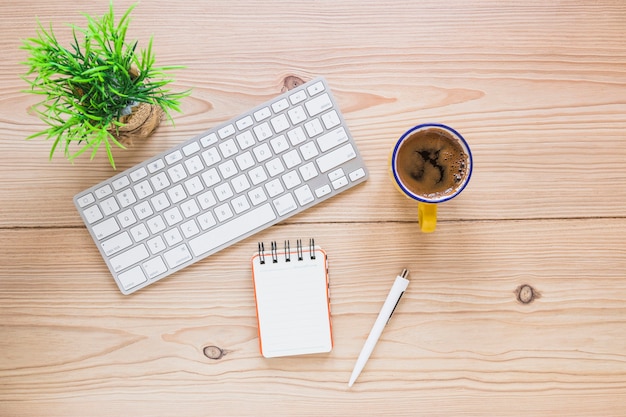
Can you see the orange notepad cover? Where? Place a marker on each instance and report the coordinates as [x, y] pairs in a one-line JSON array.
[[292, 300]]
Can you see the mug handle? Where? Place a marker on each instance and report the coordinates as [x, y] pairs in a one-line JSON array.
[[427, 216]]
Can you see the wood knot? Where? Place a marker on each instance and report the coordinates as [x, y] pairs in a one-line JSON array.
[[290, 82], [214, 352], [526, 294]]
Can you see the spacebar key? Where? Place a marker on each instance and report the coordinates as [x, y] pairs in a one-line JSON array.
[[232, 229]]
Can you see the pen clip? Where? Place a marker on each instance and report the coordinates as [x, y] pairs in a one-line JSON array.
[[403, 274], [394, 308]]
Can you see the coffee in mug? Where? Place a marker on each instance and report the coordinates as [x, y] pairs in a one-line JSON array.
[[431, 163]]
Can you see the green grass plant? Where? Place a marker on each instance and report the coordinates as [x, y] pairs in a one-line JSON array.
[[87, 87]]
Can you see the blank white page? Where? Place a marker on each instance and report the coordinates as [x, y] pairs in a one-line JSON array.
[[293, 307]]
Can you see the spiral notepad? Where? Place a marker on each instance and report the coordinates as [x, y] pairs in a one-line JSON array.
[[292, 299]]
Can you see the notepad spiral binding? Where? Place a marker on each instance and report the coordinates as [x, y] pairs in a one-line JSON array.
[[287, 252]]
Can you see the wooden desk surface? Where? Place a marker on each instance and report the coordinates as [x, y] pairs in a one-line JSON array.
[[539, 91]]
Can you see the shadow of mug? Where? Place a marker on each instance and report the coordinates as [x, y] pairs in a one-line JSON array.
[[431, 163]]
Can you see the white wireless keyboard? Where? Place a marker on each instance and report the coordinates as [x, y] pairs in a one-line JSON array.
[[222, 186]]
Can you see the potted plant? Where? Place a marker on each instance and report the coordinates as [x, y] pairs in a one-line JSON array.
[[99, 92]]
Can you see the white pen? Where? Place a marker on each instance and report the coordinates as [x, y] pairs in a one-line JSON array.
[[386, 311]]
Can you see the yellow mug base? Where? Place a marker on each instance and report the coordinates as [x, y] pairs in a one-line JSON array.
[[427, 217]]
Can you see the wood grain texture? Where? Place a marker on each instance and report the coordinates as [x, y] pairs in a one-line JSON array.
[[539, 91]]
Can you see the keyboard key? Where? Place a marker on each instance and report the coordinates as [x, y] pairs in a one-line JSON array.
[[143, 210], [103, 192], [223, 212], [297, 115], [341, 182], [262, 114], [228, 169], [332, 139], [304, 195], [262, 132], [211, 156], [156, 245], [190, 208], [190, 149], [143, 189], [257, 175], [177, 256], [245, 139], [313, 128], [257, 196], [172, 237], [280, 105], [156, 224], [206, 200], [280, 123], [336, 158], [156, 165], [127, 218], [308, 171], [189, 228], [211, 177], [154, 267], [244, 123], [279, 144], [173, 157], [128, 258], [85, 200], [106, 228], [322, 191], [291, 179], [262, 152], [274, 188], [316, 88], [209, 140], [245, 161], [292, 159], [173, 216], [194, 164], [226, 131], [223, 191], [297, 97], [228, 148], [160, 181], [177, 173], [318, 105], [357, 175], [274, 167], [331, 119], [132, 278], [240, 204], [309, 150], [139, 232], [336, 174], [206, 220], [234, 229], [120, 183], [177, 194], [193, 186], [138, 174], [109, 206], [296, 136], [160, 202], [117, 243], [126, 198], [284, 204], [240, 184]]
